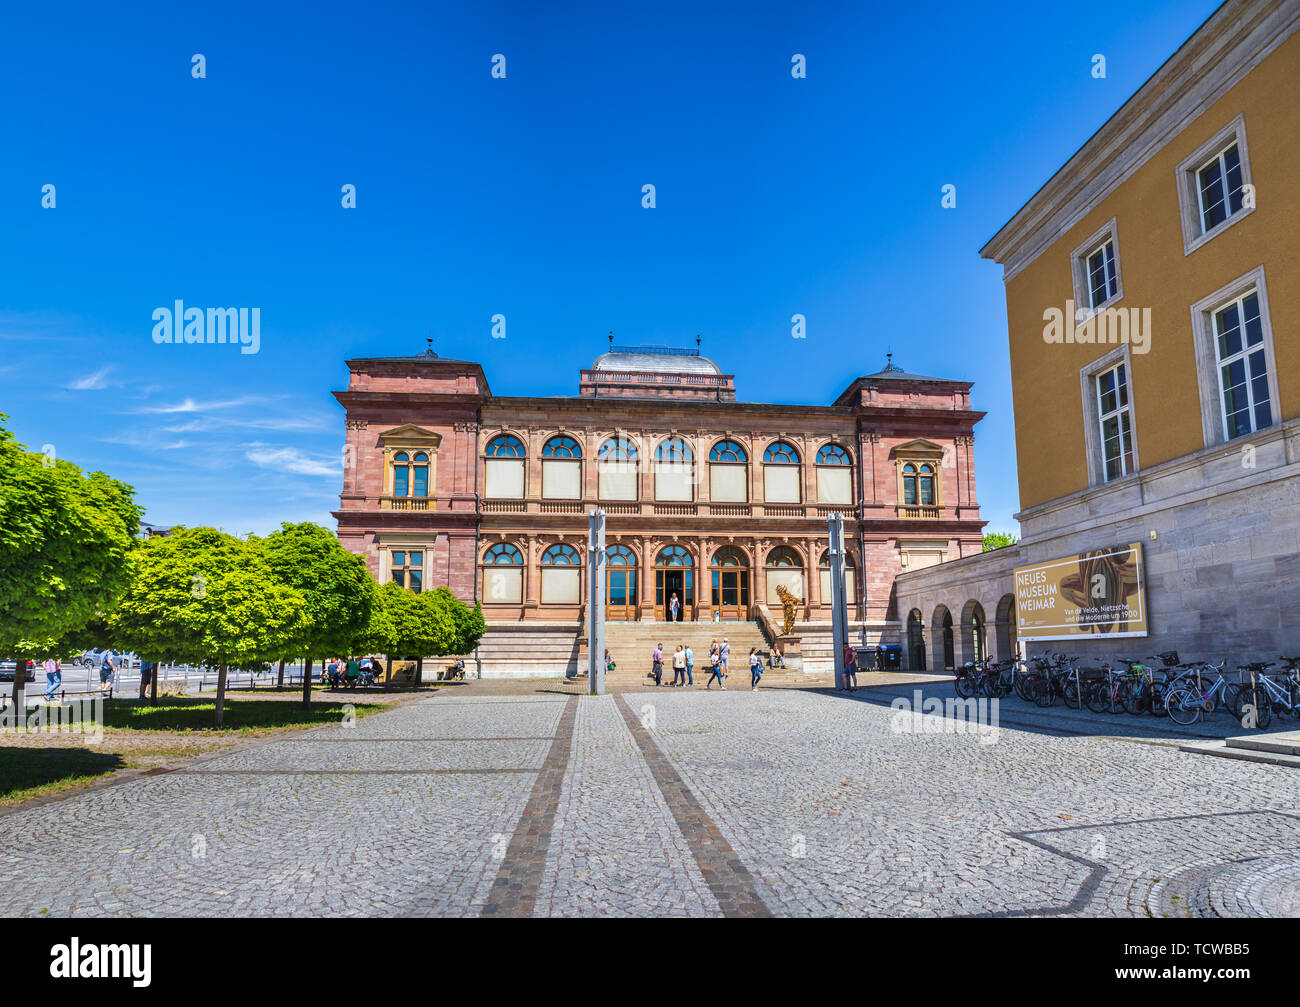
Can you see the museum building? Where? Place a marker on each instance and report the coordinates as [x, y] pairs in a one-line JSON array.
[[709, 499]]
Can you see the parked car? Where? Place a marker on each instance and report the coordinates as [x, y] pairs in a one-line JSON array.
[[93, 659], [7, 671]]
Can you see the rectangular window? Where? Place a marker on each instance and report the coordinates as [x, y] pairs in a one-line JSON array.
[[560, 585], [781, 483], [399, 480], [1243, 367], [1219, 188], [834, 484], [617, 480], [504, 479], [1103, 283], [421, 481], [503, 585], [674, 481], [727, 483], [408, 569], [1114, 413], [561, 480], [850, 588]]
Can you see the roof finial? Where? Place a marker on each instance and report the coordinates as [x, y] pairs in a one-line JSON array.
[[697, 344], [611, 340]]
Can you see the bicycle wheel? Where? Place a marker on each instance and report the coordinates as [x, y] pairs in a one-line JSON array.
[[1021, 684], [1156, 702], [1041, 692], [1099, 698], [1256, 708], [1073, 693], [964, 686], [1184, 706]]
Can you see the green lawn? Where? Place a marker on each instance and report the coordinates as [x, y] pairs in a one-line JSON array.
[[189, 713]]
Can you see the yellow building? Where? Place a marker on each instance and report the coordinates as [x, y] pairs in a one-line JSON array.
[[1152, 297]]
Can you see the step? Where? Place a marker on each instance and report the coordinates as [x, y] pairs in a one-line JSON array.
[[1287, 743], [1221, 749]]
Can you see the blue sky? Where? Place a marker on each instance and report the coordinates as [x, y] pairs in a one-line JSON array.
[[518, 196]]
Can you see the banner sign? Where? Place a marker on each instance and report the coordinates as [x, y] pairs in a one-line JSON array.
[[1098, 595]]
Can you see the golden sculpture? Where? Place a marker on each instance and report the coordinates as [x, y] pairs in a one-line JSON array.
[[789, 608]]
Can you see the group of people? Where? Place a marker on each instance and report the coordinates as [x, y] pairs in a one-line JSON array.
[[683, 661], [339, 671]]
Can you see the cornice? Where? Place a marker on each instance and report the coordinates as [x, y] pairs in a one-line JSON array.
[[1233, 41]]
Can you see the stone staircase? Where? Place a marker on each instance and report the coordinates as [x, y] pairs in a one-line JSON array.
[[1279, 749], [631, 644]]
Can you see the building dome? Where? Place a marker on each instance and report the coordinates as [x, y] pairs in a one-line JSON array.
[[656, 359]]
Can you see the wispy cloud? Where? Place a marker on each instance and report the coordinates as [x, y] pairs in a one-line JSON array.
[[294, 424], [91, 382], [293, 460], [189, 405]]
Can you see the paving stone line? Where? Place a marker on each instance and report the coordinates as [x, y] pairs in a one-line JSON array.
[[727, 877], [514, 892]]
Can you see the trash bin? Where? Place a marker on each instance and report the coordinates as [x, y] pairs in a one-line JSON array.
[[889, 658], [865, 658]]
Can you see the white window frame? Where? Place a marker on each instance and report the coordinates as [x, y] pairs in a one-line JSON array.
[[1213, 420], [1120, 412], [1108, 233], [1094, 452], [1189, 189]]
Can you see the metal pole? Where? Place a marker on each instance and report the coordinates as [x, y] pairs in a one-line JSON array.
[[596, 602], [839, 624]]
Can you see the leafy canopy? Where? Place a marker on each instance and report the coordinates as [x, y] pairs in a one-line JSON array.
[[202, 596], [66, 542]]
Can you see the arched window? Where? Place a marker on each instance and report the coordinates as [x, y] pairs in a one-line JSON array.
[[909, 485], [834, 475], [674, 470], [561, 554], [850, 579], [729, 555], [728, 451], [784, 569], [781, 474], [505, 446], [728, 473], [503, 554], [617, 469], [925, 478], [504, 476], [673, 555], [620, 556], [561, 446], [620, 582], [401, 474], [561, 469], [561, 575], [503, 575]]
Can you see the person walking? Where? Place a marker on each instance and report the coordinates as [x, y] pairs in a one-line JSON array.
[[146, 676], [107, 669], [53, 676], [690, 666], [850, 668], [724, 657], [755, 668], [674, 608], [715, 666], [657, 664], [679, 666]]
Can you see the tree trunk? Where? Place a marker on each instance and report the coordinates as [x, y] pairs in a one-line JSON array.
[[20, 689], [279, 683], [419, 671], [388, 673], [153, 684], [306, 683], [221, 694]]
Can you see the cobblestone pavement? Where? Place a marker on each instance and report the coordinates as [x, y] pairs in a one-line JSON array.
[[668, 802]]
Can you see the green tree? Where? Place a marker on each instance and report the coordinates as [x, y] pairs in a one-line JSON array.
[[410, 625], [997, 540], [66, 541], [202, 596], [340, 594]]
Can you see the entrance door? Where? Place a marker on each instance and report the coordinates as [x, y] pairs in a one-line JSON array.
[[620, 584], [673, 575], [730, 574]]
